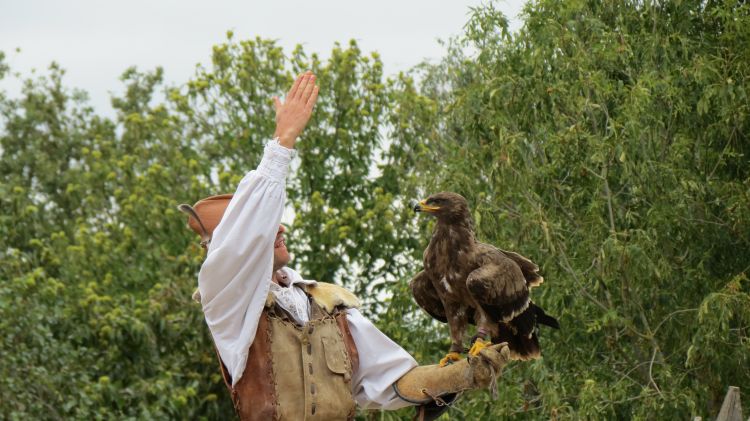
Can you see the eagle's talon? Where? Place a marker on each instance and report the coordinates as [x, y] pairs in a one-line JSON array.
[[450, 358], [477, 337], [479, 345]]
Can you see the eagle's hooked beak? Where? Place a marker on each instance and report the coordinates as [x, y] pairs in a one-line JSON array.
[[424, 207]]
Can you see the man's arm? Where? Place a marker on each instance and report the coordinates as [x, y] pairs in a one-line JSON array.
[[234, 279], [389, 378], [381, 363]]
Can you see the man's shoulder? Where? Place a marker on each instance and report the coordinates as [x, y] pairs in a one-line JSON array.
[[329, 296]]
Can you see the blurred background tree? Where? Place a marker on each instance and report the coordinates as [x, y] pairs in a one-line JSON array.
[[605, 140]]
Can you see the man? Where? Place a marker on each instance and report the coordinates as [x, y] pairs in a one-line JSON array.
[[291, 348]]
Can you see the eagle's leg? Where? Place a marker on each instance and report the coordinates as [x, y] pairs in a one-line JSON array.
[[482, 335], [457, 321], [484, 330]]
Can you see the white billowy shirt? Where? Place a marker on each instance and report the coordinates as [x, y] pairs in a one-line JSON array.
[[235, 279]]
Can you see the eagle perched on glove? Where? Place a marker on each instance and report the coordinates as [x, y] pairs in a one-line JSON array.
[[465, 281]]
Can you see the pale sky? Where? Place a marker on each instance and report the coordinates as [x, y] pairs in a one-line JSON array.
[[96, 40]]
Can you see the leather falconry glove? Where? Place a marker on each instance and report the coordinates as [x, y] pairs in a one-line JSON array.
[[428, 383]]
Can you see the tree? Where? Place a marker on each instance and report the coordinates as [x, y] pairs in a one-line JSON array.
[[606, 141]]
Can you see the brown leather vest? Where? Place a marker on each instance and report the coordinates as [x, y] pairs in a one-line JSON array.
[[299, 372]]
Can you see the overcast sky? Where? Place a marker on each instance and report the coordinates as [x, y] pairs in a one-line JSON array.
[[96, 40]]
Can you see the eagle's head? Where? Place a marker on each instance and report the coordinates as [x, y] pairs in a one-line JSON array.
[[447, 207]]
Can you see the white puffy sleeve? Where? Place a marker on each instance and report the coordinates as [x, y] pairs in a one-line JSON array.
[[235, 277], [381, 363]]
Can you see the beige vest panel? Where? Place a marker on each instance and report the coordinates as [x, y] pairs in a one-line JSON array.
[[300, 372], [312, 361]]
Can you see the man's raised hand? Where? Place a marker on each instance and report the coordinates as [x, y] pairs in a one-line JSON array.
[[292, 116]]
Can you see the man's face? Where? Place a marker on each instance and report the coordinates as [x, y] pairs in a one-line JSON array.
[[280, 253]]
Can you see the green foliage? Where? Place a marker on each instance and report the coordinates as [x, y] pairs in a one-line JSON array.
[[606, 140]]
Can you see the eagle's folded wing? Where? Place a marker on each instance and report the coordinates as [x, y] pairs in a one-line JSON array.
[[529, 269], [425, 295], [500, 288]]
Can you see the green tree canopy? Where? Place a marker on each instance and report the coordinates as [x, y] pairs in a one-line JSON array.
[[605, 140]]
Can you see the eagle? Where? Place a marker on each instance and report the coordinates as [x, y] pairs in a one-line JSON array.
[[465, 281]]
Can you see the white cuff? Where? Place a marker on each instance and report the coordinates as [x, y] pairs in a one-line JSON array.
[[275, 162]]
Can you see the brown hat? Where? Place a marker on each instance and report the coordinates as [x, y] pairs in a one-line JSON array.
[[205, 215]]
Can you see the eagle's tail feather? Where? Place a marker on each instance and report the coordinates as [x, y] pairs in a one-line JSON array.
[[520, 333], [544, 319], [522, 347]]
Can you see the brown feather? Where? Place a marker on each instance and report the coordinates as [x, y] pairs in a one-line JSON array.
[[426, 296], [530, 269]]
